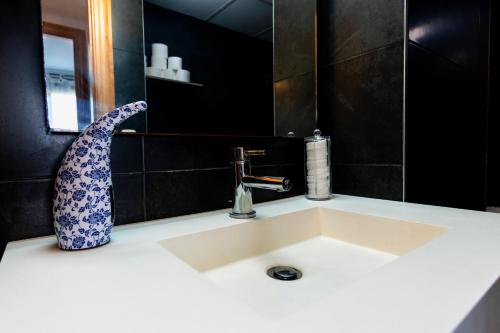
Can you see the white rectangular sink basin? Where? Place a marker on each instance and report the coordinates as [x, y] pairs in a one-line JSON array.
[[330, 247]]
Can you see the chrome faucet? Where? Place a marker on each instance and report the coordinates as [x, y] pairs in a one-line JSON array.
[[242, 207]]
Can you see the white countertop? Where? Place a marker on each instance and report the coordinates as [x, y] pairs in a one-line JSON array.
[[134, 285]]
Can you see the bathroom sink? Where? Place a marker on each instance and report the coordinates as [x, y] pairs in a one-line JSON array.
[[331, 249]]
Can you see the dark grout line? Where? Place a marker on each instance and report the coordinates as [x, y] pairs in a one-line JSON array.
[[220, 10], [187, 170], [438, 55], [26, 180], [369, 164], [293, 77], [218, 168], [128, 51], [353, 57], [127, 173]]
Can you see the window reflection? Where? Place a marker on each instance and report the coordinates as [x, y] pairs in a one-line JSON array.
[[60, 83]]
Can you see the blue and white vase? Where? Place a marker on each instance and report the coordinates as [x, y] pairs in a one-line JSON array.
[[83, 212]]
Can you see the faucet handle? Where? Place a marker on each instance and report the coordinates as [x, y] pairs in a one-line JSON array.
[[242, 154]]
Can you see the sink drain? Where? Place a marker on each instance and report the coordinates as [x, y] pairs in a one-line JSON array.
[[284, 273]]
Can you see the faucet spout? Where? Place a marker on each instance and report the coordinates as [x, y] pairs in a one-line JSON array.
[[278, 184]]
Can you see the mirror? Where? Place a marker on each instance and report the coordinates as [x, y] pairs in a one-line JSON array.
[[240, 67], [65, 44], [228, 52], [77, 56]]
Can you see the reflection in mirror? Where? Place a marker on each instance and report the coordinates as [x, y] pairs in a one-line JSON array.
[[66, 77], [253, 62], [239, 67], [227, 49], [75, 52]]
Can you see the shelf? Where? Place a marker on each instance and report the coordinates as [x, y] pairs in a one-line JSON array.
[[173, 81]]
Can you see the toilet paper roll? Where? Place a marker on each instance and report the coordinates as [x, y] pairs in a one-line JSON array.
[[317, 164], [183, 75], [160, 50], [159, 62], [318, 171], [155, 71], [318, 178], [175, 63], [170, 74]]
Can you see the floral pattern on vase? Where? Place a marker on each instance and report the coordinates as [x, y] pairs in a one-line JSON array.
[[83, 212]]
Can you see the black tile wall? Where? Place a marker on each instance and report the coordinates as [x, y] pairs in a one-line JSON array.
[[349, 28], [445, 134], [127, 26], [446, 106], [129, 83], [183, 192], [450, 31], [366, 94], [294, 98], [153, 176], [294, 38], [126, 154], [493, 183], [189, 152], [375, 181], [360, 94], [128, 58], [27, 208], [129, 197], [294, 66]]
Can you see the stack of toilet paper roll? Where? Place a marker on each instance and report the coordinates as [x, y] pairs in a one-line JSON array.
[[318, 169], [166, 67]]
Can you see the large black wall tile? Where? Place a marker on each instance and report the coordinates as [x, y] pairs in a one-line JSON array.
[[127, 26], [454, 30], [185, 192], [130, 85], [351, 27], [26, 208], [294, 49], [375, 181], [126, 154], [445, 132], [295, 106], [361, 107], [198, 152], [493, 178], [128, 192]]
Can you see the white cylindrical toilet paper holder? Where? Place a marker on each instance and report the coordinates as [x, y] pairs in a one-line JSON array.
[[317, 167]]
